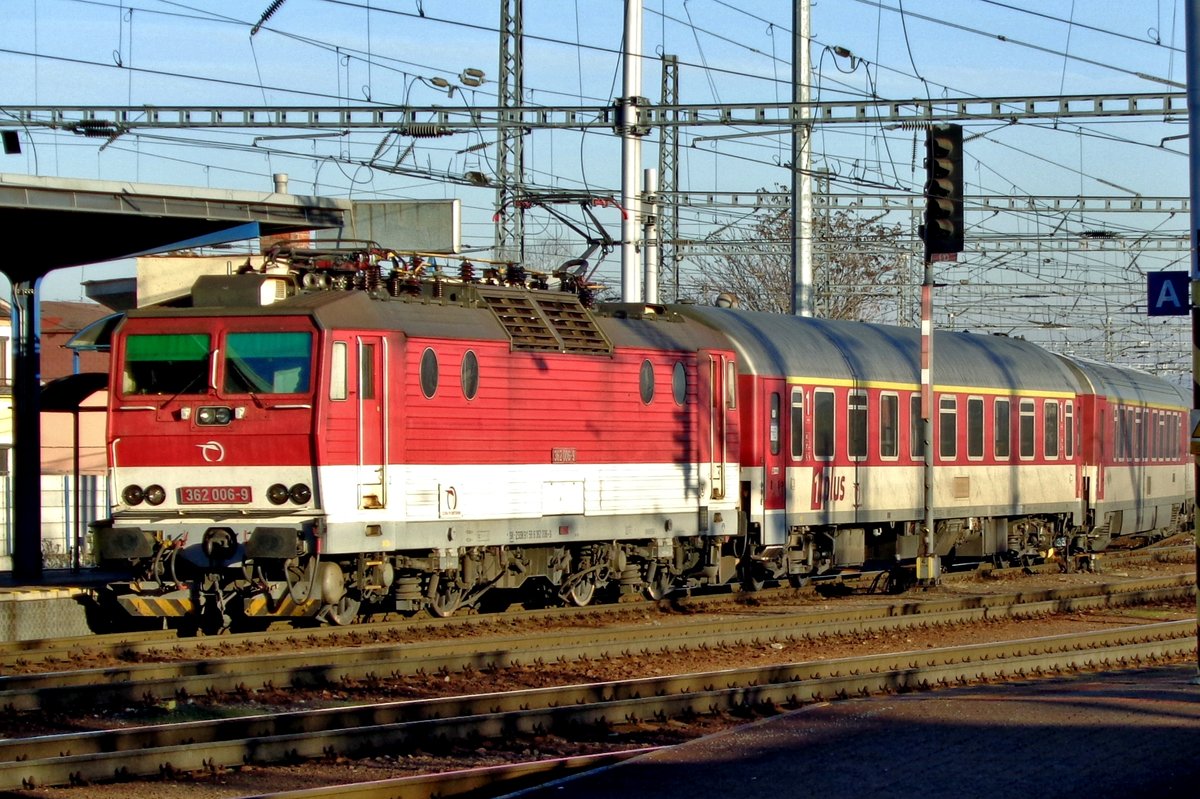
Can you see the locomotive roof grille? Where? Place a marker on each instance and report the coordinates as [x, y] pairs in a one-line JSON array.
[[551, 322]]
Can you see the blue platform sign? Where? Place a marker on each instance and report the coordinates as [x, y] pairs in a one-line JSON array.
[[1168, 293]]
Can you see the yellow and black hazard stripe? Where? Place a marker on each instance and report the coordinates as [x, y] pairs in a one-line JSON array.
[[170, 606]]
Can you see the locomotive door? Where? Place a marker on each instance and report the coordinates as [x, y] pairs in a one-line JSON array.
[[372, 428]]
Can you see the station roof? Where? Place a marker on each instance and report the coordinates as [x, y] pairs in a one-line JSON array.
[[60, 222]]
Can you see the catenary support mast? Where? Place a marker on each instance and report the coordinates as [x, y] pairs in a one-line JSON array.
[[1192, 20]]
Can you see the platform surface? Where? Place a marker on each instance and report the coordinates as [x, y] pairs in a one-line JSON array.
[[57, 607], [1120, 734]]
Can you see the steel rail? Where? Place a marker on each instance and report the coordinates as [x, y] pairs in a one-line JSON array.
[[130, 645], [157, 682], [88, 757], [508, 778]]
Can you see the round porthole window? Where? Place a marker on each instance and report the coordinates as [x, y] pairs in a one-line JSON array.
[[679, 383], [429, 373], [470, 375], [647, 382]]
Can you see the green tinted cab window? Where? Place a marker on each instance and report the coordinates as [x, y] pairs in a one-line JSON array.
[[267, 362], [166, 363]]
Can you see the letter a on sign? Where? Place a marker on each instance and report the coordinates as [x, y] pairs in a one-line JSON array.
[[1167, 294]]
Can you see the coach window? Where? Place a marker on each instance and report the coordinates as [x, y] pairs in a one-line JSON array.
[[823, 425], [730, 385], [948, 428], [429, 373], [889, 425], [1159, 422], [1069, 429], [1118, 428], [1025, 432], [797, 423], [773, 432], [916, 431], [1147, 434], [1050, 428], [469, 375], [1126, 434], [856, 428], [975, 428], [337, 372], [679, 383], [1139, 435], [646, 382], [1119, 432], [1001, 428]]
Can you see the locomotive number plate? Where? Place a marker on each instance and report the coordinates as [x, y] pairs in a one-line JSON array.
[[214, 495]]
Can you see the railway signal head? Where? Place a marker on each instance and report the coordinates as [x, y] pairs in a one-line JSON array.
[[942, 231]]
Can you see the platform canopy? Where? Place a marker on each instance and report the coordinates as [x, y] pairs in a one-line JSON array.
[[58, 222], [54, 223]]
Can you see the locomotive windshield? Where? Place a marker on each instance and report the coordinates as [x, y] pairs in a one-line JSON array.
[[261, 362], [267, 362], [166, 363]]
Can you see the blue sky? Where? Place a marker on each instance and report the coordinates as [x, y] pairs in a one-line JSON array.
[[360, 52]]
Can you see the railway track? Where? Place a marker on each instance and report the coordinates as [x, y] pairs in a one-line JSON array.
[[66, 651], [362, 730], [305, 667]]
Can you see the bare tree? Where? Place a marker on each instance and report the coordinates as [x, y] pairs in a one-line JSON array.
[[858, 263]]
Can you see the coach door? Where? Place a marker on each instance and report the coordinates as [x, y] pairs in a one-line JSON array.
[[372, 429], [712, 390], [774, 449]]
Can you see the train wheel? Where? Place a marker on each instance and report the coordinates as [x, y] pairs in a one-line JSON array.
[[447, 599], [799, 580], [753, 576], [581, 592], [659, 582], [345, 610]]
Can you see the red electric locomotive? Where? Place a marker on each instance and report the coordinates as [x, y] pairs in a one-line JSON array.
[[400, 443], [342, 434]]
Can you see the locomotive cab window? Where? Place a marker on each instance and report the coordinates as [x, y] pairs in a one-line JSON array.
[[166, 364], [338, 382], [267, 362]]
